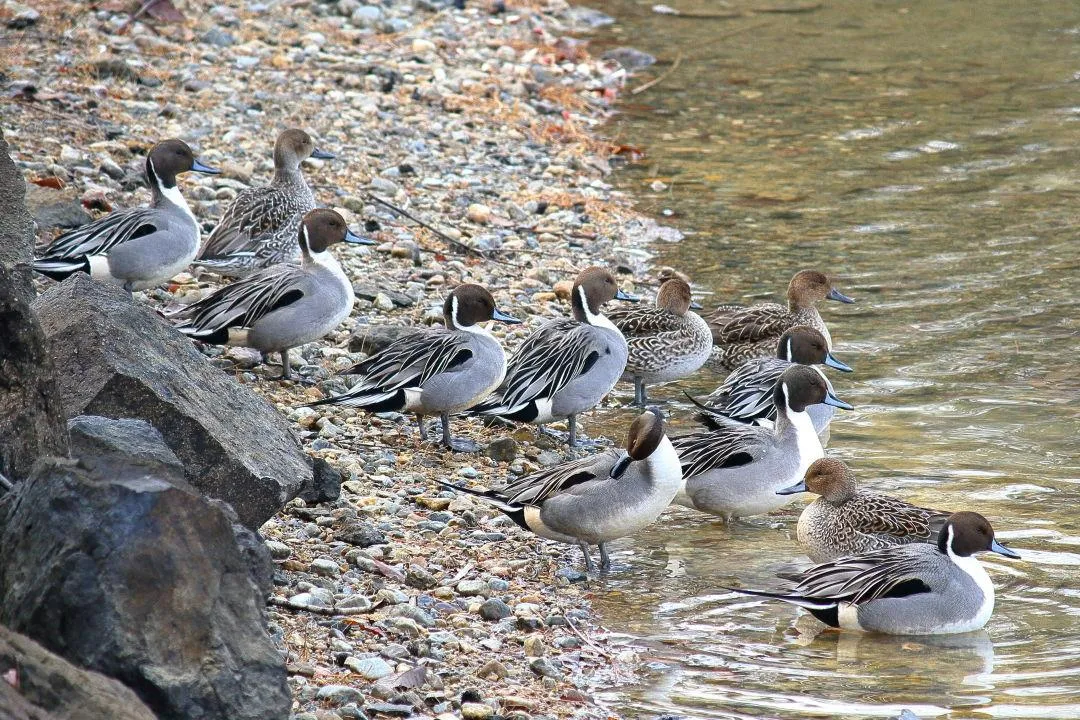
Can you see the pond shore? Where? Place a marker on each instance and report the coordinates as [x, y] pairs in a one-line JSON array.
[[479, 123]]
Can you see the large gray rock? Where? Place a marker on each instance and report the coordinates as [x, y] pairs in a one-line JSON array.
[[13, 706], [52, 684], [119, 359], [16, 228], [31, 411], [143, 581], [55, 209]]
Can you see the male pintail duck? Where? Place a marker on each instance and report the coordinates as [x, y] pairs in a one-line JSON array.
[[743, 333], [735, 470], [439, 371], [259, 228], [846, 520], [921, 589], [141, 247], [282, 306], [599, 498], [747, 393], [567, 366], [666, 341]]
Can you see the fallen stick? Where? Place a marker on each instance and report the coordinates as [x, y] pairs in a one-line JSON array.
[[658, 78]]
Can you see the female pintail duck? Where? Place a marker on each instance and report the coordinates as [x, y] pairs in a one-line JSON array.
[[666, 342], [567, 366], [435, 371], [747, 394], [735, 470], [846, 520], [141, 247], [259, 228], [596, 499], [282, 306], [922, 589], [743, 333]]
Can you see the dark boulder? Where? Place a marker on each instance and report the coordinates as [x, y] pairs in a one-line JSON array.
[[141, 580], [16, 228], [371, 339], [53, 685], [117, 358], [120, 448], [55, 209], [31, 412]]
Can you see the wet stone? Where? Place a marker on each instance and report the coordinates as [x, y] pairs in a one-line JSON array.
[[495, 609], [339, 694], [546, 668], [502, 450]]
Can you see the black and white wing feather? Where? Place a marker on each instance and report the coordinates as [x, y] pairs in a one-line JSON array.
[[241, 304]]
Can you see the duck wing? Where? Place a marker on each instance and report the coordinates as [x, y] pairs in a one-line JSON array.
[[753, 324], [242, 303], [576, 475], [877, 513], [730, 445], [546, 362], [100, 236], [895, 571], [746, 394], [643, 321], [411, 361], [254, 214]]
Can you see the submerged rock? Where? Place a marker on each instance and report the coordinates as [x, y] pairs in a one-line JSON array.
[[116, 358]]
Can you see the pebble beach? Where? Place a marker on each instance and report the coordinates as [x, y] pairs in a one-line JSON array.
[[467, 147]]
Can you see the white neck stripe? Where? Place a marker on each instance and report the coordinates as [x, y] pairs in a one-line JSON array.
[[454, 313], [790, 354]]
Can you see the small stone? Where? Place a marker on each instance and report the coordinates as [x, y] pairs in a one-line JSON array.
[[433, 503], [418, 577], [20, 16], [495, 609], [502, 450], [413, 613], [316, 597], [383, 302], [278, 550], [218, 37], [362, 535], [354, 602], [476, 711], [563, 288], [492, 669], [382, 185], [472, 587], [571, 575], [370, 668], [389, 709], [545, 668], [421, 45], [630, 58], [339, 694], [469, 472], [365, 16], [534, 646], [325, 567], [547, 458], [477, 213]]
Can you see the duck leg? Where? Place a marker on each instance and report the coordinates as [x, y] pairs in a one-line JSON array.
[[420, 424], [459, 444], [286, 371], [590, 567], [605, 561], [576, 442], [640, 397]]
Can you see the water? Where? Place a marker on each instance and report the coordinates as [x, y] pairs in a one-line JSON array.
[[927, 154]]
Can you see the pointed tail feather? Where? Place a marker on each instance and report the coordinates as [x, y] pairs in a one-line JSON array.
[[801, 600], [393, 401], [60, 269]]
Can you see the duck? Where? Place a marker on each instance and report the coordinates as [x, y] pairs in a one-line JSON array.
[[743, 333], [665, 342], [440, 371], [138, 248], [920, 589], [847, 520], [746, 395], [259, 228], [599, 498], [735, 470], [568, 365], [282, 306]]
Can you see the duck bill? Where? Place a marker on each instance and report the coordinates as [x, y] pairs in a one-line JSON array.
[[620, 467], [1000, 549], [694, 305], [832, 362], [504, 318], [831, 399], [201, 167], [838, 296], [322, 154], [620, 295], [354, 239], [799, 487]]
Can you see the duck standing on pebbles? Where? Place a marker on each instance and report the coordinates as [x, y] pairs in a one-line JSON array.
[[596, 499], [735, 470], [567, 366], [282, 306], [747, 394], [138, 248], [923, 589], [435, 371], [846, 520], [743, 333], [259, 228], [666, 341]]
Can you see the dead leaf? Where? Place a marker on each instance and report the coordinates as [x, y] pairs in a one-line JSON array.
[[51, 182]]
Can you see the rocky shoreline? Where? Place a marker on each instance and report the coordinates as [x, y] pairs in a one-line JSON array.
[[466, 145]]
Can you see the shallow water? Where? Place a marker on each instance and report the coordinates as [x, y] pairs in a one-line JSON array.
[[927, 154]]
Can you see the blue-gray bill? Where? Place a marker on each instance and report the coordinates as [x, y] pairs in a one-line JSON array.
[[620, 295], [832, 362], [322, 154], [504, 317], [351, 237], [835, 294], [1000, 549], [202, 167], [831, 399], [798, 487]]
